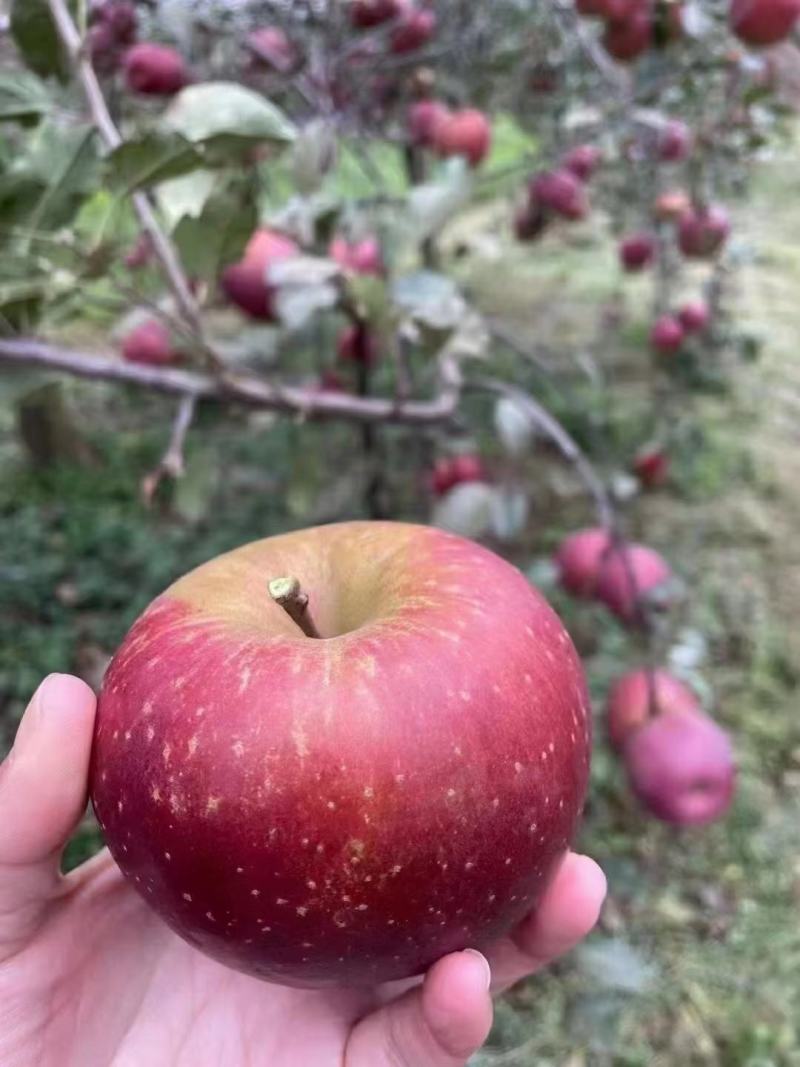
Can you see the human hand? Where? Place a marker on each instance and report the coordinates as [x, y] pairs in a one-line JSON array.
[[90, 977]]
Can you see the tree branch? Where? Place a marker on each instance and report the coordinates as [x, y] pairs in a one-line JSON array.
[[163, 247], [243, 389], [566, 444], [172, 464]]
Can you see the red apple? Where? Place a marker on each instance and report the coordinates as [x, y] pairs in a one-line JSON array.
[[695, 316], [415, 28], [579, 559], [637, 251], [365, 14], [121, 20], [357, 345], [582, 160], [607, 9], [451, 471], [628, 38], [639, 696], [631, 579], [703, 231], [464, 133], [681, 767], [667, 335], [270, 46], [424, 117], [103, 49], [141, 254], [763, 22], [245, 283], [651, 467], [155, 69], [150, 343], [674, 141], [671, 205], [347, 808], [358, 257], [560, 192]]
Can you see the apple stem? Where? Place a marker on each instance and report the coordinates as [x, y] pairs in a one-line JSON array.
[[288, 593]]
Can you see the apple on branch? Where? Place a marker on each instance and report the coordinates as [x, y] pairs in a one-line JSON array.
[[334, 756]]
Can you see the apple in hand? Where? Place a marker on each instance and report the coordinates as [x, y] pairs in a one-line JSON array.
[[334, 756]]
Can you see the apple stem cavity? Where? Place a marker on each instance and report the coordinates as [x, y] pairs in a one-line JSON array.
[[288, 593]]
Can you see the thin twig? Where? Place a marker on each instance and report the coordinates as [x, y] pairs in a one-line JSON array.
[[163, 247], [243, 389], [172, 464], [561, 438]]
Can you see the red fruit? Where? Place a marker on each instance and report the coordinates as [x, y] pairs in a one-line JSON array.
[[121, 18], [141, 253], [103, 49], [652, 467], [695, 316], [307, 811], [674, 141], [271, 46], [358, 257], [364, 14], [245, 283], [155, 70], [464, 133], [579, 558], [763, 22], [451, 471], [671, 205], [667, 334], [636, 698], [627, 38], [415, 28], [682, 768], [423, 120], [357, 345], [561, 192], [703, 231], [150, 343], [637, 251], [582, 160], [607, 9], [629, 580]]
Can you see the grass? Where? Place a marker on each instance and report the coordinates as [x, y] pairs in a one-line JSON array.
[[698, 957]]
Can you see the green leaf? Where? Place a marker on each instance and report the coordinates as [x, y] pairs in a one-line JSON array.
[[187, 195], [153, 158], [37, 39], [217, 237], [220, 114], [22, 98], [65, 160]]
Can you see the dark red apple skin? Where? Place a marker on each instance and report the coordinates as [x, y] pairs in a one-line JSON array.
[[667, 335], [415, 29], [702, 232], [682, 768], [763, 22], [630, 37], [582, 161], [651, 467], [560, 192], [695, 316], [637, 251], [344, 811], [674, 142], [365, 14], [424, 117], [155, 70]]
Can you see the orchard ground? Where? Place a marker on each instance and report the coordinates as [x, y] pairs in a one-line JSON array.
[[697, 960]]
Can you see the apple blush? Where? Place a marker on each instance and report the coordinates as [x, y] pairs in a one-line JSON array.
[[336, 755]]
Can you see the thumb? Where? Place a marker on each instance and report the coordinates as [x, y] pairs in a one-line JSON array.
[[43, 787], [439, 1024]]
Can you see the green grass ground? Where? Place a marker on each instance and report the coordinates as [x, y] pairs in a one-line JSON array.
[[698, 957]]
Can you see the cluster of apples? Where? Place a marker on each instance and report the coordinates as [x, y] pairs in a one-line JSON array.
[[633, 27], [412, 25], [557, 193], [463, 132], [150, 69], [679, 762], [450, 471]]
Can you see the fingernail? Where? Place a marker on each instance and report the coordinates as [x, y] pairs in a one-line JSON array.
[[59, 692], [480, 956]]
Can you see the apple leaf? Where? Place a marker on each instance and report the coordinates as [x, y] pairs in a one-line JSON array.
[[224, 115], [466, 510], [23, 98], [313, 156], [153, 158], [515, 431], [216, 237], [432, 205], [306, 285], [186, 196], [510, 512], [430, 298], [36, 37]]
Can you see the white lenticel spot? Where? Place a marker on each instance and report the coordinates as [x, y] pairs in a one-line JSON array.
[[331, 805], [396, 869], [451, 792], [192, 745], [362, 907], [311, 884], [508, 861], [255, 892], [240, 870], [280, 901], [167, 856], [187, 896], [127, 735], [302, 912], [518, 768], [210, 916], [150, 733], [468, 865]]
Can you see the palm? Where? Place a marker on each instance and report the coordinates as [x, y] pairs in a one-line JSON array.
[[90, 977]]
